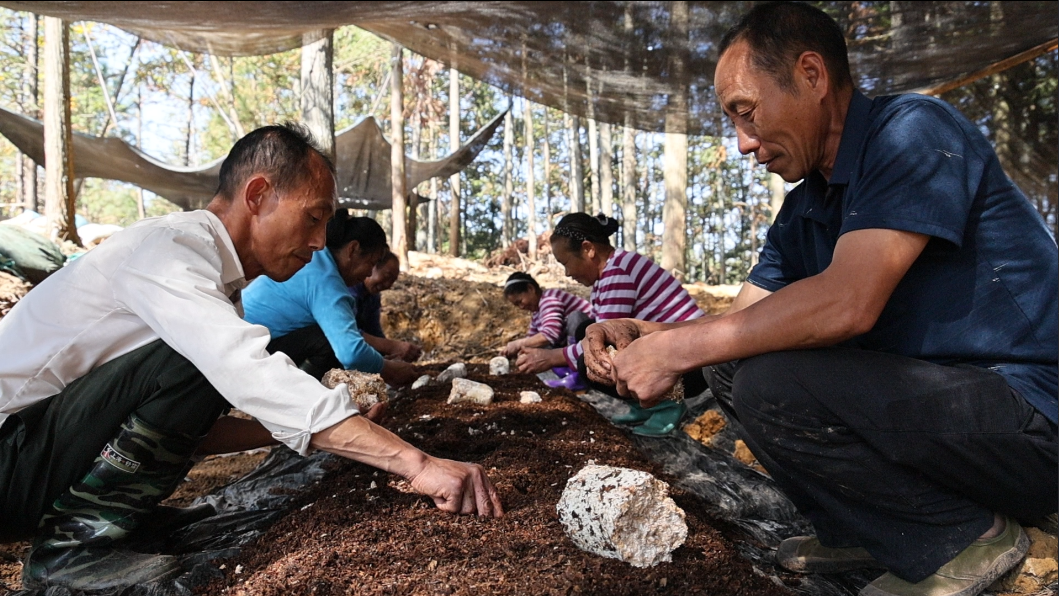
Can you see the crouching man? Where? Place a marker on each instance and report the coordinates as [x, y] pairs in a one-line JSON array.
[[114, 371], [892, 357]]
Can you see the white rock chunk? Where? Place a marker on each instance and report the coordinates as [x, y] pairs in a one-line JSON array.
[[455, 371], [466, 390], [421, 382], [529, 397], [365, 389], [499, 366], [622, 514]]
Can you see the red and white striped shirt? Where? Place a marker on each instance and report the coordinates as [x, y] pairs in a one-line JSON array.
[[550, 318], [634, 287]]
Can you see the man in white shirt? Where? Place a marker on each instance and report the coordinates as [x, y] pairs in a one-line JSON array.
[[114, 371]]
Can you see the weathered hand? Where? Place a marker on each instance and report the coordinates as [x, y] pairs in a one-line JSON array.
[[642, 370], [618, 333], [533, 360], [398, 373], [376, 413], [458, 487], [512, 348], [407, 351]]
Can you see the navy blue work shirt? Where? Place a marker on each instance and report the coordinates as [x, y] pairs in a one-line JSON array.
[[985, 290], [369, 310]]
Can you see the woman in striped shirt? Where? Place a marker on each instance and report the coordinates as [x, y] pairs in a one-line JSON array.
[[556, 315], [624, 285]]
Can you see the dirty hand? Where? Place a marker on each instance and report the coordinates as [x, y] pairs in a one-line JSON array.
[[458, 487], [376, 413], [616, 332], [511, 348], [407, 351], [641, 370], [398, 373], [533, 360]]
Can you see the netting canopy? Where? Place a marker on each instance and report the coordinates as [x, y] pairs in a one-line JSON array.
[[630, 63], [599, 59]]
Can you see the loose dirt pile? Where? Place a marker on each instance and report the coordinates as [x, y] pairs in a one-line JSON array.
[[362, 531], [12, 289]]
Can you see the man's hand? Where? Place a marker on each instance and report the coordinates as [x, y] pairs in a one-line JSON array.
[[407, 351], [618, 333], [397, 373], [512, 348], [377, 412], [458, 487], [535, 360], [643, 371]]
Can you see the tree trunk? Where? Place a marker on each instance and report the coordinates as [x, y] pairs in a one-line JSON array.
[[59, 205], [777, 191], [606, 169], [628, 199], [593, 160], [674, 212], [317, 93], [454, 144], [577, 176], [531, 202], [413, 193], [547, 171], [141, 208], [191, 120], [398, 239], [433, 209], [505, 198], [30, 102]]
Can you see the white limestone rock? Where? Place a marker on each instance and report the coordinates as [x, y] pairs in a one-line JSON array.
[[455, 371], [365, 389], [499, 366], [529, 397], [466, 390], [622, 514], [421, 382]]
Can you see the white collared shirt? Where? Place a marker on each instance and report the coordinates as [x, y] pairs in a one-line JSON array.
[[169, 278]]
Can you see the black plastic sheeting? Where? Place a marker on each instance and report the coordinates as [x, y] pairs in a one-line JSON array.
[[737, 493]]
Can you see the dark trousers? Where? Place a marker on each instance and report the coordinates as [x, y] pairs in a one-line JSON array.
[[309, 349], [903, 457], [49, 446]]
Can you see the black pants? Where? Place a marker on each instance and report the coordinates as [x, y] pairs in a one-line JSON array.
[[903, 457], [309, 349], [49, 446]]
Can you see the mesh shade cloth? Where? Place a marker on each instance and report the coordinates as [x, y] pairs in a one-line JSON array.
[[362, 164], [597, 59]]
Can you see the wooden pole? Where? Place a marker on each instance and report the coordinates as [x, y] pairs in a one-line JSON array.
[[505, 198], [547, 157], [398, 238], [454, 144], [674, 210], [606, 170], [59, 195], [30, 101], [992, 69], [531, 199], [628, 191], [318, 96]]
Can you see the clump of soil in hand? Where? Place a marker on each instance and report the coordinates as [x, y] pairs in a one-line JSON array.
[[364, 531]]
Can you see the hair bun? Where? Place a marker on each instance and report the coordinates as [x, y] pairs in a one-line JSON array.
[[609, 224]]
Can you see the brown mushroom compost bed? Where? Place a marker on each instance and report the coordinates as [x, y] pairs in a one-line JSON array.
[[361, 531]]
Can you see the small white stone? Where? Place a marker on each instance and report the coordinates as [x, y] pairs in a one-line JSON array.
[[421, 382], [465, 390], [499, 366], [456, 371], [622, 514], [529, 397]]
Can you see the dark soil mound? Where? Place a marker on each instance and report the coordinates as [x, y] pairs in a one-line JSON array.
[[361, 532]]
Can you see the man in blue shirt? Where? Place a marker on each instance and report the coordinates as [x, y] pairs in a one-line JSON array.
[[893, 357]]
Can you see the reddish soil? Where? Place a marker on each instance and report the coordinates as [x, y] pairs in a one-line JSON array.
[[360, 531]]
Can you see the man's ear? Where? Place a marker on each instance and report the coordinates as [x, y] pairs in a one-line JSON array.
[[811, 69], [255, 192]]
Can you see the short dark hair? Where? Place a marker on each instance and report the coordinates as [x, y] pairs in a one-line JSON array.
[[575, 228], [343, 229], [387, 258], [518, 283], [779, 32], [282, 151]]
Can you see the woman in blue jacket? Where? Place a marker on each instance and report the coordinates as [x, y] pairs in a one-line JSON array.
[[312, 316]]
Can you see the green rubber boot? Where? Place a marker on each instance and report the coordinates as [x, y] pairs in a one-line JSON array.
[[664, 419], [77, 542]]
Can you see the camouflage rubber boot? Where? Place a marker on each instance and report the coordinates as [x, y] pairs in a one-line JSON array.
[[77, 544]]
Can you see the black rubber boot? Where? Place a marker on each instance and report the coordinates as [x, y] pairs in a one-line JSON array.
[[78, 543]]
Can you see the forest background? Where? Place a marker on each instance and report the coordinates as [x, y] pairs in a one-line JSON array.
[[187, 109]]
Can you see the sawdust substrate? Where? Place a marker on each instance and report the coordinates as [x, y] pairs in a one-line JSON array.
[[361, 531]]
